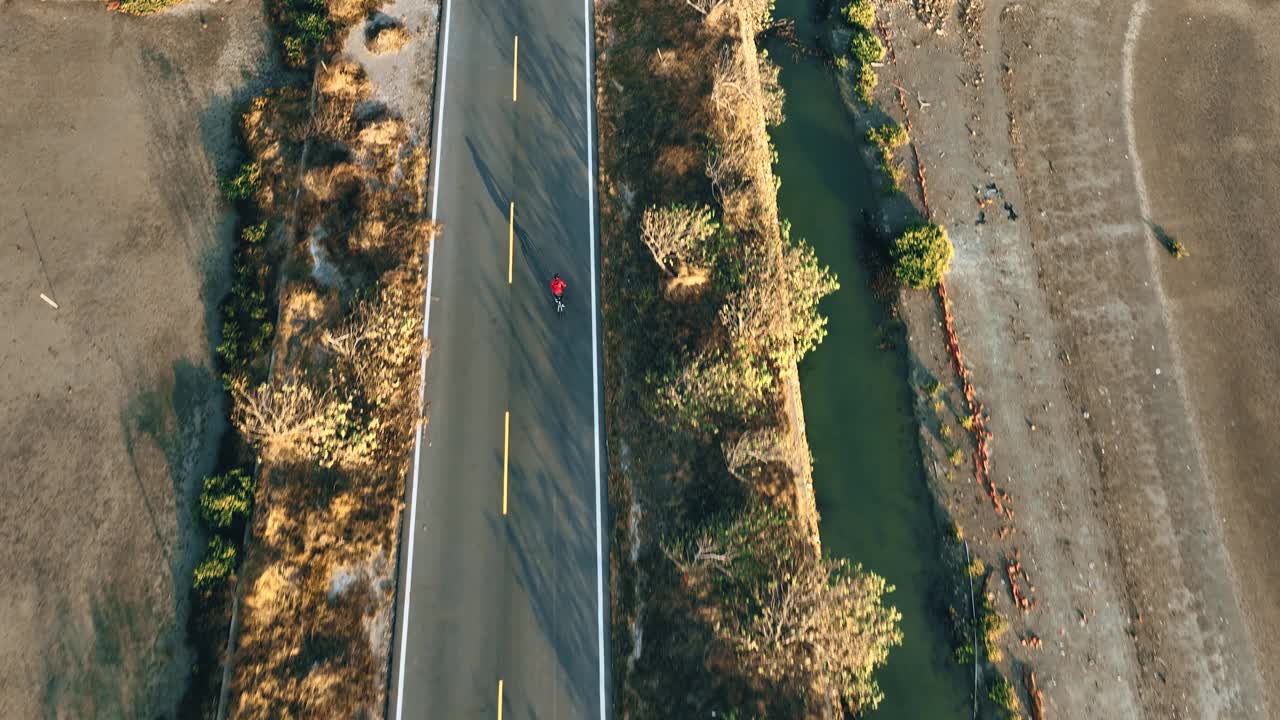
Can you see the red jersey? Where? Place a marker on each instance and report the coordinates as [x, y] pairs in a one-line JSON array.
[[558, 286]]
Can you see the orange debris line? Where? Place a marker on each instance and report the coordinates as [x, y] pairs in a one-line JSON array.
[[1012, 569], [1033, 693], [981, 436]]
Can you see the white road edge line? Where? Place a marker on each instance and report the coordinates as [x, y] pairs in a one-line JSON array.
[[422, 372], [595, 346]]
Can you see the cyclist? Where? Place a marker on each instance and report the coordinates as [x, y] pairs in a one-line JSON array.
[[557, 287]]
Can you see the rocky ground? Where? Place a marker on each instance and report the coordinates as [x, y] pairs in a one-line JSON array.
[[115, 130], [1129, 394]]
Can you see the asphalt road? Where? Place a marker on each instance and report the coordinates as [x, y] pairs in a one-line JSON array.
[[502, 561]]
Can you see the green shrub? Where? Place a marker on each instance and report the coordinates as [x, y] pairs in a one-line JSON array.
[[963, 653], [889, 136], [842, 63], [962, 645], [313, 28], [993, 627], [217, 566], [244, 184], [922, 255], [859, 13], [254, 234], [1004, 696], [295, 53], [956, 457], [226, 498], [310, 29], [865, 47], [977, 569], [865, 81], [892, 170]]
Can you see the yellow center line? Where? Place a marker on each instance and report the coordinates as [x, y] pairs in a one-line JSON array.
[[499, 700], [511, 239], [506, 444], [515, 64]]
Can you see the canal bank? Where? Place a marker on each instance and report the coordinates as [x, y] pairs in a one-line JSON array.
[[875, 506]]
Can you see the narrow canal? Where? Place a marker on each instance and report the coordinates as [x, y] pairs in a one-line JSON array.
[[871, 490]]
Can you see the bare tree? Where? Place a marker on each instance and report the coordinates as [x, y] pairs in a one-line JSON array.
[[674, 233], [283, 416], [726, 80], [704, 6], [706, 554], [771, 92], [763, 445], [379, 344]]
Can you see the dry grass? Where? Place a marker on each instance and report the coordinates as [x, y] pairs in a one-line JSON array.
[[387, 39]]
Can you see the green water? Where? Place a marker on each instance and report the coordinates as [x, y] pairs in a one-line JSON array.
[[871, 490]]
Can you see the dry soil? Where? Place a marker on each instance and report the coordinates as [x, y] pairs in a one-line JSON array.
[[114, 131], [1130, 395]]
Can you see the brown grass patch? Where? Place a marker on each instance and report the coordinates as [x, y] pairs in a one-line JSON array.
[[303, 307], [387, 39]]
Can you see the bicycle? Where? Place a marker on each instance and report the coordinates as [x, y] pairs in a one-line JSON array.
[[557, 292]]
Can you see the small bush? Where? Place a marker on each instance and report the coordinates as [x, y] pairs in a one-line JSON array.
[[217, 566], [922, 255], [295, 53], [889, 136], [963, 653], [310, 28], [977, 569], [313, 28], [967, 422], [865, 47], [938, 406], [945, 432], [933, 388], [956, 457], [993, 627], [842, 63], [865, 83], [1004, 696], [226, 498], [892, 171], [254, 234], [244, 184], [859, 13], [962, 644]]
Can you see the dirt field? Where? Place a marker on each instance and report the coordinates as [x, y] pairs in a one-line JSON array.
[[115, 128], [1130, 394]]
